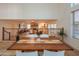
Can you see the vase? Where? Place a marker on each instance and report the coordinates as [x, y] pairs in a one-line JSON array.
[[17, 38]]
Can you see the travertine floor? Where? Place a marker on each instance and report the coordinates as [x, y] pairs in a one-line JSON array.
[[5, 44], [3, 49]]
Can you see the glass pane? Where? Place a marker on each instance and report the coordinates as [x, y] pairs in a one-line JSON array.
[[76, 16], [28, 26], [76, 24], [74, 4], [52, 25]]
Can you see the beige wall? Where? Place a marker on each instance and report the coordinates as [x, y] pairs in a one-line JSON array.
[[13, 23]]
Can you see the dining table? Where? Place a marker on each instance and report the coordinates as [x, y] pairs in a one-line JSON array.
[[39, 45]]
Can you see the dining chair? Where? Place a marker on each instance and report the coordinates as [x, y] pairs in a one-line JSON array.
[[32, 53], [53, 53], [40, 53]]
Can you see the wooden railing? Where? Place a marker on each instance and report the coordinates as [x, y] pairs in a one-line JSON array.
[[9, 33], [13, 32], [4, 31]]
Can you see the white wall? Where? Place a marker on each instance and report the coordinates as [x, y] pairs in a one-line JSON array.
[[26, 11], [67, 21], [8, 11], [40, 11]]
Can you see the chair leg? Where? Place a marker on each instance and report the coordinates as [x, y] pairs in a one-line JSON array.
[[40, 53]]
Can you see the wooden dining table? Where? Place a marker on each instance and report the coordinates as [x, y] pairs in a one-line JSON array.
[[43, 44]]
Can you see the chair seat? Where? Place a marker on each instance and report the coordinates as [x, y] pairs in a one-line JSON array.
[[53, 53], [19, 53]]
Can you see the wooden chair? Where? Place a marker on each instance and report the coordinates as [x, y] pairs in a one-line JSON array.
[[26, 53], [53, 53]]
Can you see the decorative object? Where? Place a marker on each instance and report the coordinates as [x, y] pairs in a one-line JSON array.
[[39, 33], [17, 38]]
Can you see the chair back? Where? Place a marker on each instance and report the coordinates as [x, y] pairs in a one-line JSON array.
[[32, 53], [53, 53]]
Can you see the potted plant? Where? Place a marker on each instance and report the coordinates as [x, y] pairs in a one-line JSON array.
[[62, 33]]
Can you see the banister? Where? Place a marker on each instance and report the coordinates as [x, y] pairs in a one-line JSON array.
[[4, 31]]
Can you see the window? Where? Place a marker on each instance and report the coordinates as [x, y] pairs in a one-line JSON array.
[[76, 24], [74, 4], [28, 26], [52, 25]]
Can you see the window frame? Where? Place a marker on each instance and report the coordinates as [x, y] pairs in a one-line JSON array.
[[73, 16]]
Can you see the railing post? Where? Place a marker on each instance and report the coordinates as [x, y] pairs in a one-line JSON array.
[[17, 38], [19, 28], [9, 35], [3, 33]]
